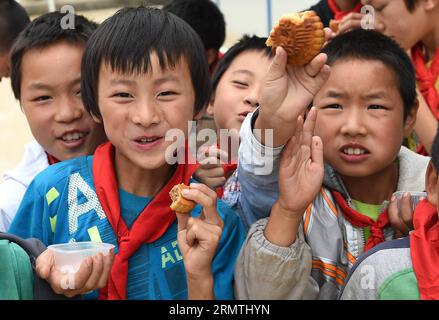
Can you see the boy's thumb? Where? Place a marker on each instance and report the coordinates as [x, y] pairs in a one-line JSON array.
[[278, 65]]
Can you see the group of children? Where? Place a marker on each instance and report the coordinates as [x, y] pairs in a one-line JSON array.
[[306, 230]]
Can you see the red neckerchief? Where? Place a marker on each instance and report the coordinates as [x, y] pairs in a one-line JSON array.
[[427, 77], [51, 159], [338, 14], [215, 64], [229, 168], [361, 221], [424, 250], [151, 224]]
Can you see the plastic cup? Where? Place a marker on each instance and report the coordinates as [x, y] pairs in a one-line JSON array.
[[414, 195], [68, 256]]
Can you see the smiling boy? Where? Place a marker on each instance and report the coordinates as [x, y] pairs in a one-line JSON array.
[[45, 78], [143, 73]]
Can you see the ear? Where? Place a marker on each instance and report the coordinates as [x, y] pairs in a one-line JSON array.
[[210, 108], [96, 118], [431, 184], [212, 56], [410, 120], [429, 5]]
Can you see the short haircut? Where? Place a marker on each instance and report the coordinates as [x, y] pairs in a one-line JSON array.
[[435, 151], [246, 43], [370, 45], [42, 32], [411, 4], [204, 17], [13, 19], [125, 42]]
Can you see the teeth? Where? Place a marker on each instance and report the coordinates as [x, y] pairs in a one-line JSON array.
[[354, 151], [73, 136], [146, 140]]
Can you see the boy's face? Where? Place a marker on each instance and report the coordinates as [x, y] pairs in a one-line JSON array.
[[394, 20], [51, 101], [138, 111], [236, 94], [4, 65], [360, 118]]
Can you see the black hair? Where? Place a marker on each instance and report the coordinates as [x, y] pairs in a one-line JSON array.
[[42, 32], [371, 45], [204, 17], [125, 42], [246, 43], [411, 4], [435, 151], [13, 19]]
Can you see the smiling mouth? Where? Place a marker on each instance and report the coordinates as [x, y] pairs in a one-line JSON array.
[[354, 151], [147, 140], [73, 136]]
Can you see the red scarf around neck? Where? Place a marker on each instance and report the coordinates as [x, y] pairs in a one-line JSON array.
[[51, 159], [151, 224], [338, 14], [424, 250], [359, 220], [427, 77]]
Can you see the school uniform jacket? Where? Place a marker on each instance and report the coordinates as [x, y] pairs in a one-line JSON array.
[[316, 265]]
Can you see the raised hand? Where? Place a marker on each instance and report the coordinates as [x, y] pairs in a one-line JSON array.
[[211, 171], [300, 179], [198, 239], [287, 92]]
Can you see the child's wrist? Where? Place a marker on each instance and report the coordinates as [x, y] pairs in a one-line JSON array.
[[200, 287]]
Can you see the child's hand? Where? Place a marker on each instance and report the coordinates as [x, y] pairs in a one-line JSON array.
[[211, 171], [301, 168], [92, 274], [350, 22], [198, 239], [286, 93], [300, 179], [401, 220]]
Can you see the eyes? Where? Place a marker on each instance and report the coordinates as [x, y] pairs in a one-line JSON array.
[[240, 84], [46, 98], [336, 106], [162, 95]]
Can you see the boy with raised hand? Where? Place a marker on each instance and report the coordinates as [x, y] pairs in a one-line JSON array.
[[45, 78], [235, 89], [413, 24], [13, 19], [318, 229], [143, 73], [404, 269]]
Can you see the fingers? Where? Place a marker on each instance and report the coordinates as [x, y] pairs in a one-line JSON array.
[[95, 275], [182, 220], [313, 68], [350, 22], [108, 263], [317, 150], [201, 232], [406, 211], [277, 66], [44, 264], [206, 197], [308, 126], [212, 157], [396, 219]]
